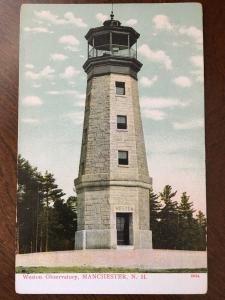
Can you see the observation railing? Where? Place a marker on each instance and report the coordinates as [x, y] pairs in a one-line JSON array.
[[115, 50]]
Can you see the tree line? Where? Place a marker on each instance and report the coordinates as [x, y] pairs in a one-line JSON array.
[[173, 224], [47, 221]]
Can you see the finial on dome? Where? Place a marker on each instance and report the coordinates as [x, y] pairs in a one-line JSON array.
[[112, 15]]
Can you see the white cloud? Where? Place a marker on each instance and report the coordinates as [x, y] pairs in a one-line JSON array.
[[32, 121], [37, 21], [69, 18], [69, 72], [160, 102], [55, 93], [162, 22], [165, 145], [156, 115], [67, 92], [32, 101], [36, 85], [80, 103], [58, 56], [183, 81], [188, 125], [69, 40], [192, 32], [198, 74], [77, 96], [71, 48], [147, 82], [158, 56], [29, 66], [197, 61], [181, 43], [37, 29], [101, 17], [48, 16], [131, 22], [76, 117], [46, 73]]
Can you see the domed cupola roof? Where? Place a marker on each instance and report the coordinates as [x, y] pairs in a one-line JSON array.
[[115, 26], [112, 48], [112, 22]]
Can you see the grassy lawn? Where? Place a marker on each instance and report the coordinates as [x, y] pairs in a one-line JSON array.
[[74, 269]]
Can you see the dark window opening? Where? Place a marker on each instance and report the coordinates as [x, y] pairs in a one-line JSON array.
[[123, 227], [121, 122], [120, 88], [123, 157]]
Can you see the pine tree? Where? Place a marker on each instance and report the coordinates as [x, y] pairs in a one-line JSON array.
[[186, 225], [72, 204], [169, 219], [155, 208], [27, 205], [201, 231], [63, 225], [50, 193]]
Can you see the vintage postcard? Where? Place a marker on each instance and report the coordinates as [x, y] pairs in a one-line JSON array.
[[111, 150]]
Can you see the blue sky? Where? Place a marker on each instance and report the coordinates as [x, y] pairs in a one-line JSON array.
[[52, 89]]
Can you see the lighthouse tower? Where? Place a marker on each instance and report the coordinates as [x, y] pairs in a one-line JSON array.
[[113, 182]]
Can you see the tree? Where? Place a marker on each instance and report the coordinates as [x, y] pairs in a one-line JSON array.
[[155, 208], [63, 224], [72, 204], [168, 219], [201, 230], [45, 221], [27, 205], [50, 194], [186, 224]]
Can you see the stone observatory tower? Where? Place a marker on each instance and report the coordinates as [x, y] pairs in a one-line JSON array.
[[113, 182]]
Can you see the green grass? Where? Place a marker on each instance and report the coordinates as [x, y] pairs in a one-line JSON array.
[[74, 269]]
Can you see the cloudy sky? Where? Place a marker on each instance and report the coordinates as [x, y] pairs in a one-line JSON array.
[[52, 89]]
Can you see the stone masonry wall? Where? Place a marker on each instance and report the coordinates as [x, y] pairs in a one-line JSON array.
[[95, 142], [143, 172], [130, 139], [144, 209], [97, 206]]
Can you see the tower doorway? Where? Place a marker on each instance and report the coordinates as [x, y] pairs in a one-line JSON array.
[[123, 227]]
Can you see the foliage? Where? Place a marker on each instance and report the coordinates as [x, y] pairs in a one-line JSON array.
[[45, 221], [173, 225], [155, 208]]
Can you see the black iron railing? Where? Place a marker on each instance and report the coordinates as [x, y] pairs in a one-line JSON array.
[[115, 50]]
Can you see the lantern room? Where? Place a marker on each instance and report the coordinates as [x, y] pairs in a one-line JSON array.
[[112, 39]]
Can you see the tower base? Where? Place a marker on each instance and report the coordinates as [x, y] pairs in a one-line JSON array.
[[107, 239]]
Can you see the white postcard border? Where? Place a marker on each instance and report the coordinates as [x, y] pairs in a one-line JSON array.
[[112, 283]]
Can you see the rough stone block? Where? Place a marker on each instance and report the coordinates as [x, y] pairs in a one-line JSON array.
[[145, 239]]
